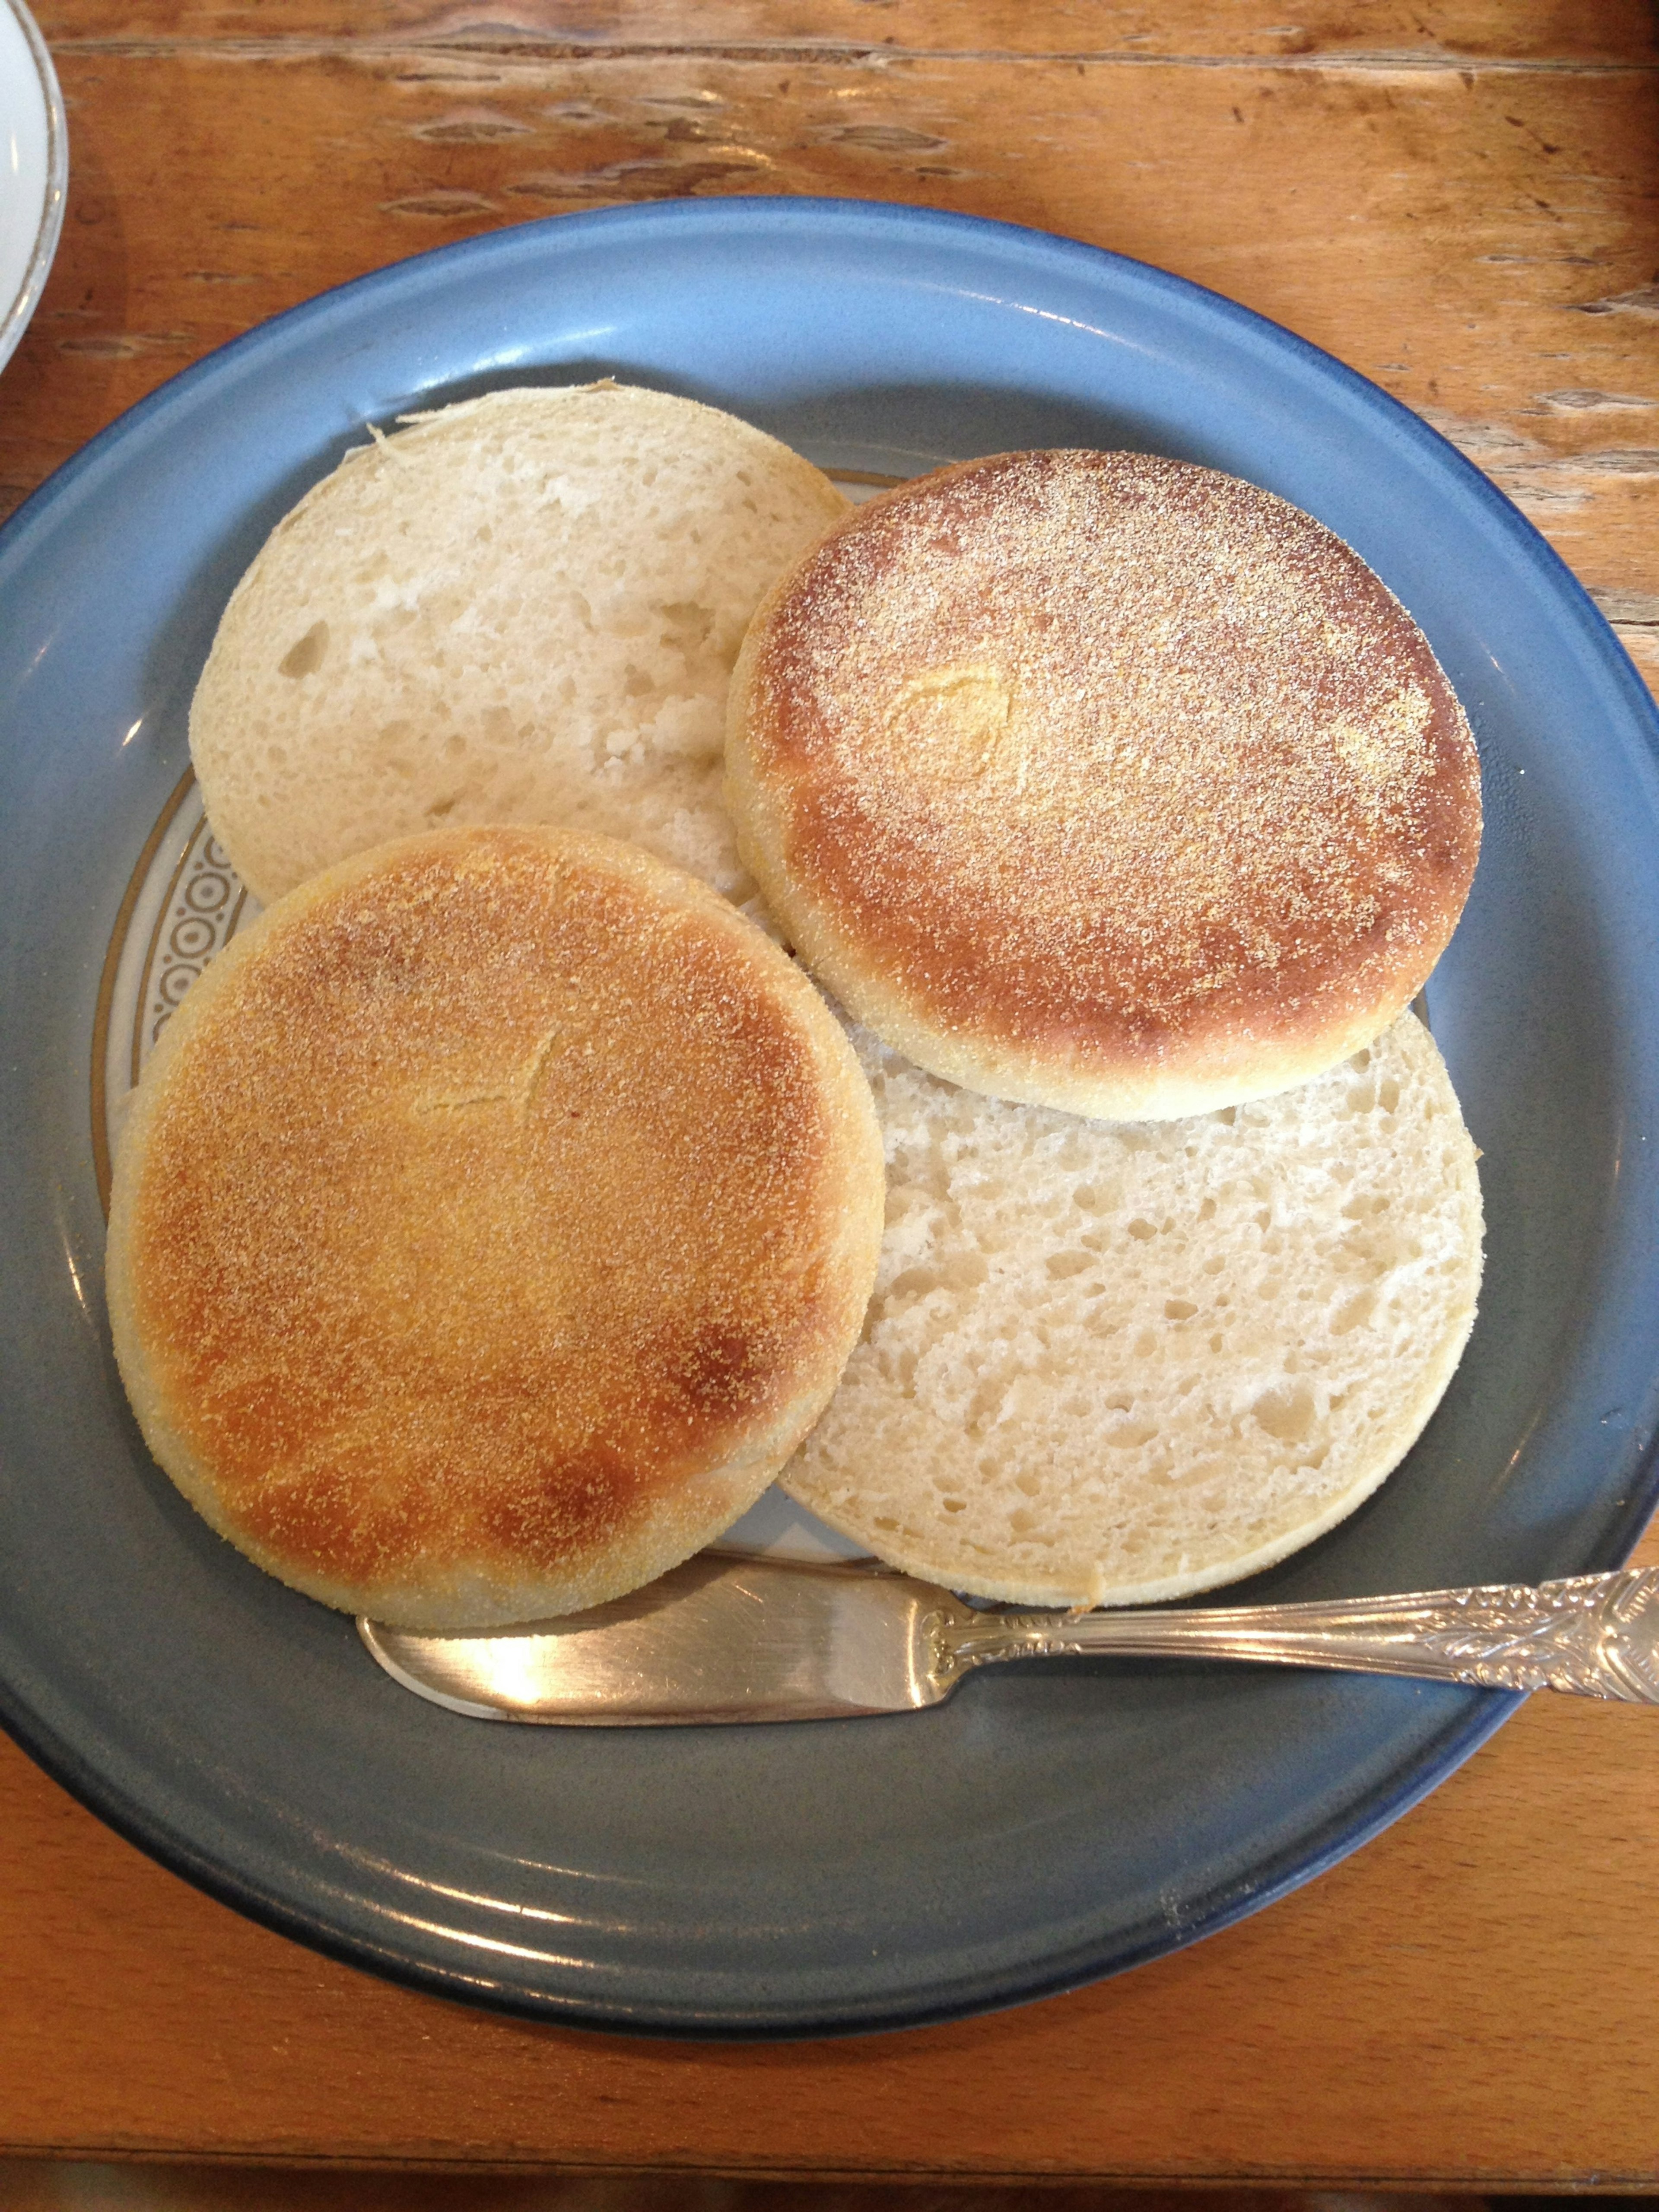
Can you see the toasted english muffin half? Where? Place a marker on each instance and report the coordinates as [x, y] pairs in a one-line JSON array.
[[522, 608], [491, 1223], [1110, 1364], [1102, 782]]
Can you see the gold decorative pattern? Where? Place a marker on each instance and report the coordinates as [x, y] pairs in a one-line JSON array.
[[183, 903], [188, 898], [204, 903]]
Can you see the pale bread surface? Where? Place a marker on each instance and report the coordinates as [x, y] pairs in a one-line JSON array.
[[1102, 781], [491, 1222], [1113, 1364], [522, 608]]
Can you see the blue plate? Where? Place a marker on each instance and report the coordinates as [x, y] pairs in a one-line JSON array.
[[1051, 1824]]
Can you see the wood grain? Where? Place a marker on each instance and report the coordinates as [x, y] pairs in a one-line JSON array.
[[1463, 200], [1617, 33], [1471, 2001], [1482, 240]]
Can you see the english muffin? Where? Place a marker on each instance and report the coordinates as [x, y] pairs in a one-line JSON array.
[[1115, 1364], [491, 1223], [524, 608], [1102, 782]]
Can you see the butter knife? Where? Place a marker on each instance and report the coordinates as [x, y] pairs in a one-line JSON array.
[[730, 1638]]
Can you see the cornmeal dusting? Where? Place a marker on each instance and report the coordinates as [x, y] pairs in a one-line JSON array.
[[1103, 759], [498, 1218]]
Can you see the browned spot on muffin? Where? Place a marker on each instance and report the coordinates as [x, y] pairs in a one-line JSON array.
[[1098, 766], [497, 1193]]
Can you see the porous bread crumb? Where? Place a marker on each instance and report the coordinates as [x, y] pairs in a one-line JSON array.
[[1114, 1363], [524, 608]]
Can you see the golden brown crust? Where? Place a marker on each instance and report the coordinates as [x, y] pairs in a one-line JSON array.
[[1103, 780], [489, 1226]]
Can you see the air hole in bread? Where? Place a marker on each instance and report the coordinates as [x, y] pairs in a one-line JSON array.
[[1365, 1207], [1313, 1317], [1361, 1062], [305, 656], [1387, 1096], [1362, 1098], [1354, 1313], [1287, 1415], [689, 621], [1063, 1265]]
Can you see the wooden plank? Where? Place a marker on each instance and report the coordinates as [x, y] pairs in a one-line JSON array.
[[1473, 31], [1482, 245], [1460, 200], [1409, 2018]]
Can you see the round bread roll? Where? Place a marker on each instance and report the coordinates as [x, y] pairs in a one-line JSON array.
[[1102, 782], [1113, 1365], [491, 1222], [524, 608]]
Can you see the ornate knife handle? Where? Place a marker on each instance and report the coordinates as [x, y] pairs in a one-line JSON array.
[[1594, 1635]]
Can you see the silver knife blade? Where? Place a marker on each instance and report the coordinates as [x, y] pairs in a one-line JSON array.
[[735, 1639], [721, 1638]]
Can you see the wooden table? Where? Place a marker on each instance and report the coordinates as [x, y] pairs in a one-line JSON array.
[[1458, 197]]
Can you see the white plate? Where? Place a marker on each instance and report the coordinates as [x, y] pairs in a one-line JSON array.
[[34, 169]]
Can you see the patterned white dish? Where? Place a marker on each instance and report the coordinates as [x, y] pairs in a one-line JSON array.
[[34, 169]]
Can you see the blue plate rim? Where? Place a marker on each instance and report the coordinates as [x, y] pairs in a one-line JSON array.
[[1475, 1714], [731, 213], [1484, 1711]]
